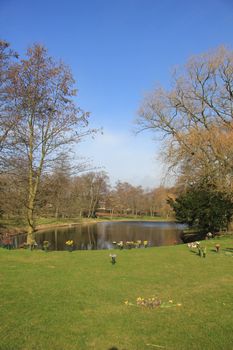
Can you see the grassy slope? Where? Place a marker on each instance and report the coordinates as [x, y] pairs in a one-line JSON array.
[[75, 301]]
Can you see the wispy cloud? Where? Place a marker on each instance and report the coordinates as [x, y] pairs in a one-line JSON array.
[[125, 157]]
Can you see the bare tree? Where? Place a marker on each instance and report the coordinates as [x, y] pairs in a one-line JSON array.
[[196, 118], [7, 123], [41, 94]]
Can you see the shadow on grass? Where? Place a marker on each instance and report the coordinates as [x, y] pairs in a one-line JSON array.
[[113, 348], [228, 250], [214, 251], [188, 237], [193, 251]]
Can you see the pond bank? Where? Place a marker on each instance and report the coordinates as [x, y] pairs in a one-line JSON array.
[[12, 227]]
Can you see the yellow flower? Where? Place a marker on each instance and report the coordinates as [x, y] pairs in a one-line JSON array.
[[179, 304], [126, 302], [170, 301], [70, 242]]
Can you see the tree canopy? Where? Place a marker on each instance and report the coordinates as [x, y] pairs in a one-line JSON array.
[[196, 118], [203, 208], [38, 97]]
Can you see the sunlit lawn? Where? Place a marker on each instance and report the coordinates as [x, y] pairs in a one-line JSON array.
[[21, 222], [75, 301]]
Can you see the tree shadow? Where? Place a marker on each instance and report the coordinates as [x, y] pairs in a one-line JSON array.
[[193, 251], [228, 250], [192, 237], [214, 251]]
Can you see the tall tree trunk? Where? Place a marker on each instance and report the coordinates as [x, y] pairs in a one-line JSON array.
[[56, 212], [33, 183], [31, 186], [31, 220]]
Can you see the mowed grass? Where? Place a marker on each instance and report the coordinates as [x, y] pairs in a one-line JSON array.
[[67, 301]]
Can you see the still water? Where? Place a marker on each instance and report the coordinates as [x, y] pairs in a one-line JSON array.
[[101, 235]]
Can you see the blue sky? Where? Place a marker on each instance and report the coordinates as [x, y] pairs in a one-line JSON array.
[[118, 50]]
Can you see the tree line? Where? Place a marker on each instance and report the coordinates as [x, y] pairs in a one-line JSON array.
[[41, 121], [64, 195]]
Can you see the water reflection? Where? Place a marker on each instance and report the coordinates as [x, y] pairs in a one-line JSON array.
[[101, 235]]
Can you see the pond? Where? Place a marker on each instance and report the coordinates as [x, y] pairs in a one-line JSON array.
[[102, 235]]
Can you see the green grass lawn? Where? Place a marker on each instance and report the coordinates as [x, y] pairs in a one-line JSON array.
[[20, 223], [75, 301], [137, 218]]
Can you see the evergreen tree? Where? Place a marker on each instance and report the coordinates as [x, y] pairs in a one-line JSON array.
[[204, 208]]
